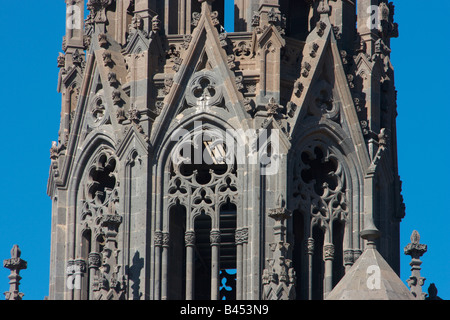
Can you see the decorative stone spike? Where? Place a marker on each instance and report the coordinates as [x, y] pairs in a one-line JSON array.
[[416, 250], [15, 264]]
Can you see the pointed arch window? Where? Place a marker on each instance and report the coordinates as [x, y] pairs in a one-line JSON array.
[[98, 226], [204, 181], [320, 191]]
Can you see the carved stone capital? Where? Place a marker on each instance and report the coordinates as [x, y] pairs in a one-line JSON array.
[[348, 257], [76, 266], [214, 237], [158, 239], [94, 260], [189, 238], [165, 239], [241, 236], [310, 246], [328, 251]]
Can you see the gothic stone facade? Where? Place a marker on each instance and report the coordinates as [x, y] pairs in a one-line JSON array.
[[308, 81]]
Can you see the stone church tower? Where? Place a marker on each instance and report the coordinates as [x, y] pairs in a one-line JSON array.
[[196, 163]]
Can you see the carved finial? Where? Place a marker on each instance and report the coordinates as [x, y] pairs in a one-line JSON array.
[[61, 60], [416, 250], [370, 233], [15, 264], [273, 108], [280, 213], [383, 137], [156, 23], [15, 252], [415, 237], [54, 151], [280, 201]]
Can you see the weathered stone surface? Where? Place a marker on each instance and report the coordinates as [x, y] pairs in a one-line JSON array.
[[370, 278], [309, 115]]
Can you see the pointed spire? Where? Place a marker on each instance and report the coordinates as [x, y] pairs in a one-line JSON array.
[[415, 249], [15, 264]]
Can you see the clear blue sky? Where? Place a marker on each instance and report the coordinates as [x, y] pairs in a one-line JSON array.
[[31, 39]]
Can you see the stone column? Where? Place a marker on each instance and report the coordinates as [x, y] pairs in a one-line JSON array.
[[328, 257], [189, 239], [165, 265], [241, 238], [215, 263], [310, 251], [182, 18], [166, 16], [79, 271], [158, 245], [94, 263]]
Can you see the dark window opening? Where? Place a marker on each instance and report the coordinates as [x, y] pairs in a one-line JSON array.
[[203, 161], [202, 227], [218, 5], [228, 251], [177, 253], [102, 179], [296, 13], [318, 270], [320, 169], [173, 17], [298, 253], [338, 260]]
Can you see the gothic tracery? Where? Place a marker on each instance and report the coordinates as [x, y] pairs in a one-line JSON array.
[[147, 216]]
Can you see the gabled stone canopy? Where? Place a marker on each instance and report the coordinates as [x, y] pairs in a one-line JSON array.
[[130, 223]]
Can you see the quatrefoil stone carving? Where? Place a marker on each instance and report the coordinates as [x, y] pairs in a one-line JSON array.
[[204, 90]]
